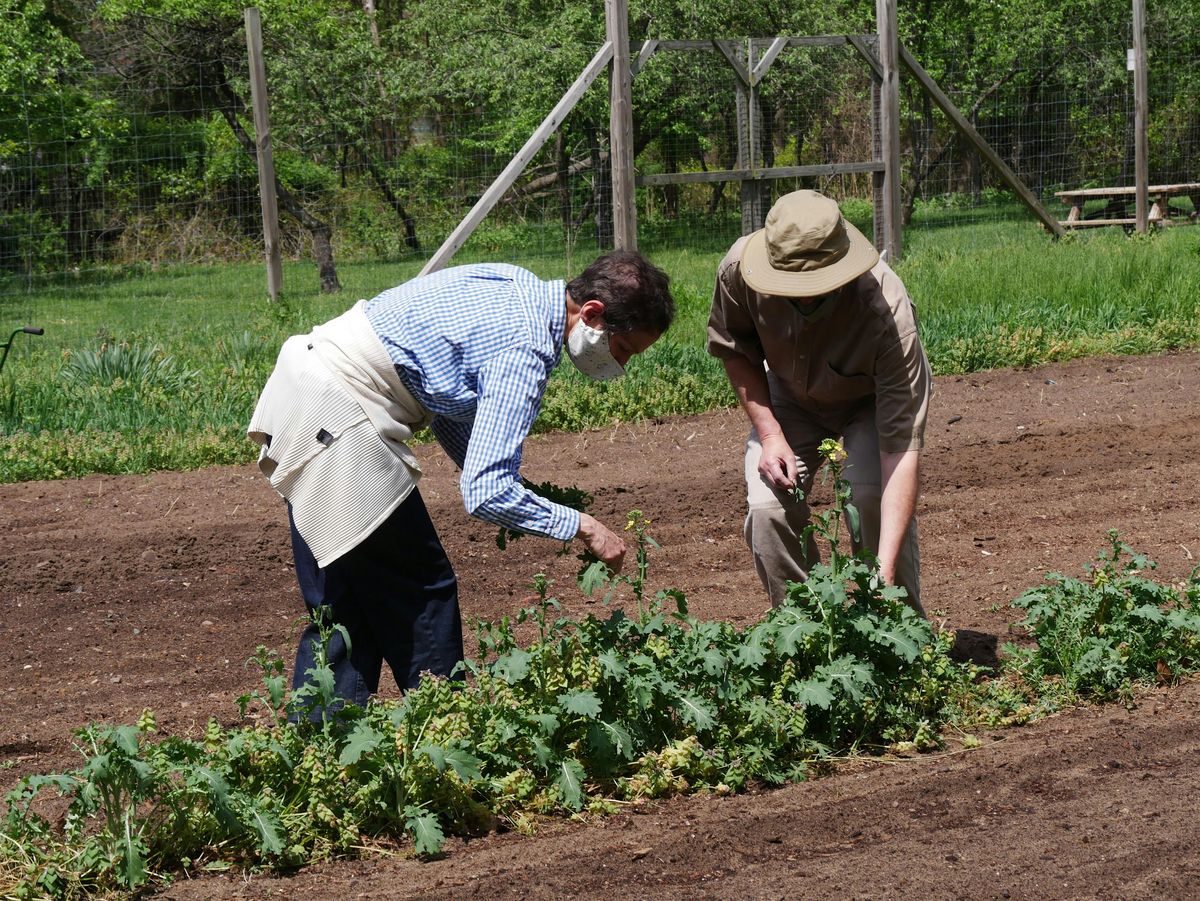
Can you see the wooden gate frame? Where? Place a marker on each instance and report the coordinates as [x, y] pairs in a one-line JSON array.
[[751, 59], [749, 71], [750, 67]]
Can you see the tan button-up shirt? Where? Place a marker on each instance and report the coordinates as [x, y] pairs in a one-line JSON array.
[[858, 348]]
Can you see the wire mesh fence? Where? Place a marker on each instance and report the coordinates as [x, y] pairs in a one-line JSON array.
[[133, 149]]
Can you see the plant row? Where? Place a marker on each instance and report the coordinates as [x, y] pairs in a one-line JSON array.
[[589, 714]]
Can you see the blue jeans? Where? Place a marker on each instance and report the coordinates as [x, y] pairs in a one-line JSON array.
[[397, 597]]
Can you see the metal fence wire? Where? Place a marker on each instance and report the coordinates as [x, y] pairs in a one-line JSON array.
[[114, 160]]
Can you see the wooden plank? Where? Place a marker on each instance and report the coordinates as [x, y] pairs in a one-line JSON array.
[[1089, 223], [819, 40], [985, 150], [859, 43], [889, 127], [513, 170], [1182, 189], [729, 49], [761, 67], [1141, 108], [821, 169], [620, 127], [643, 57]]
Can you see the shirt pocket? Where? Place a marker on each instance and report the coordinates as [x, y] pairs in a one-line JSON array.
[[833, 387]]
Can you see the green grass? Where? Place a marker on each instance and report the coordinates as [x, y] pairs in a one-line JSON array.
[[198, 342]]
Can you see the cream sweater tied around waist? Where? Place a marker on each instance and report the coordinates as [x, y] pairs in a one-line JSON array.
[[334, 420]]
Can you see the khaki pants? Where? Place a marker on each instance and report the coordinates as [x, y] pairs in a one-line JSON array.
[[776, 519]]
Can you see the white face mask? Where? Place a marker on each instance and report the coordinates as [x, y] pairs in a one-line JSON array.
[[589, 350]]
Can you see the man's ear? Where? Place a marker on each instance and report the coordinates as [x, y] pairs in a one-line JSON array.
[[592, 313]]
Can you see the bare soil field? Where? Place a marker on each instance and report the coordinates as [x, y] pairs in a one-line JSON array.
[[122, 593]]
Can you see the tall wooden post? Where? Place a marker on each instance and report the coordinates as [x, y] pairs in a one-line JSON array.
[[1141, 109], [620, 126], [266, 161], [749, 135], [889, 126], [878, 194]]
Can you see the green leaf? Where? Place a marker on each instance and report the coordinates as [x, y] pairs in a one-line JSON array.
[[621, 740], [1150, 613], [613, 667], [322, 678], [513, 666], [217, 789], [713, 661], [276, 689], [751, 653], [363, 739], [548, 722], [126, 739], [854, 521], [425, 830], [812, 693], [265, 824], [283, 754], [581, 703], [542, 751], [132, 869], [465, 764], [850, 674], [436, 755], [595, 575], [570, 783], [789, 635], [696, 711], [96, 768], [902, 644], [602, 749]]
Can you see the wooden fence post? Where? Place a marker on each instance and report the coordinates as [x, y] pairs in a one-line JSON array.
[[889, 127], [749, 138], [266, 161], [620, 127], [1141, 109]]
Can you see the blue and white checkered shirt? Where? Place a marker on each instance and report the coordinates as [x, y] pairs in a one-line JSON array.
[[475, 345]]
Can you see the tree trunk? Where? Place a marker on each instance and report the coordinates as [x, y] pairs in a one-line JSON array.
[[410, 226], [320, 231], [323, 253]]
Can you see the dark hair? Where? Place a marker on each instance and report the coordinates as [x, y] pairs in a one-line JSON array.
[[633, 290]]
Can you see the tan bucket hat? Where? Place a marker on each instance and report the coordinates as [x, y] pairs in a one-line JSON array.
[[806, 248]]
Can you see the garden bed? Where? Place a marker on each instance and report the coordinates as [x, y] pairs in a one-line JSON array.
[[151, 591]]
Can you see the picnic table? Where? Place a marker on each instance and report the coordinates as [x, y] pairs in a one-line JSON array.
[[1116, 210]]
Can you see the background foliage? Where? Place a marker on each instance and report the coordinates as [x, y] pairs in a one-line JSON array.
[[124, 124]]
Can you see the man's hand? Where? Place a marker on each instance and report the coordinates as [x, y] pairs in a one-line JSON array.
[[778, 464], [601, 541]]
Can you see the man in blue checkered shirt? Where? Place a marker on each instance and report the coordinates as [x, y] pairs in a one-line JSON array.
[[467, 351]]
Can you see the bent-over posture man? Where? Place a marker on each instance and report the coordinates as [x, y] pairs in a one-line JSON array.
[[466, 351], [819, 339]]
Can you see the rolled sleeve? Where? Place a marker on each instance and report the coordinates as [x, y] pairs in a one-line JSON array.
[[510, 390]]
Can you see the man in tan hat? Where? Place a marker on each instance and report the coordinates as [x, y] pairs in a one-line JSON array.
[[819, 339]]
